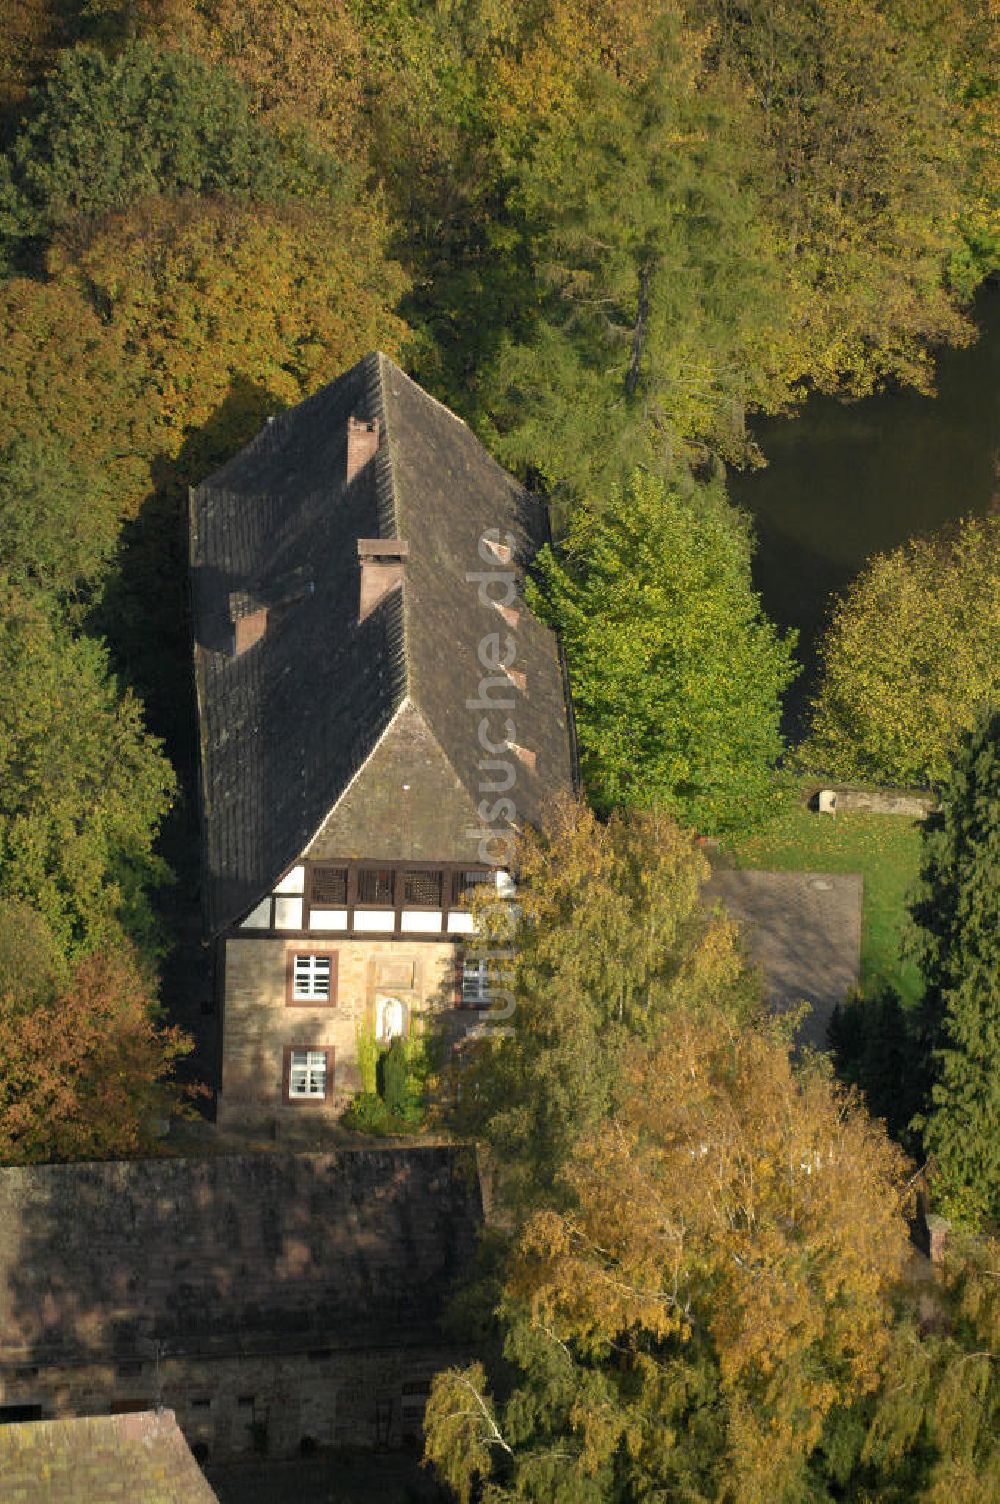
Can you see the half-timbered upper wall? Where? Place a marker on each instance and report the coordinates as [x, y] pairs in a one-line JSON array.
[[393, 900]]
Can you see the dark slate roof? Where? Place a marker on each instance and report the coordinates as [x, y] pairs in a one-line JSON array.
[[107, 1459], [285, 726], [278, 1252]]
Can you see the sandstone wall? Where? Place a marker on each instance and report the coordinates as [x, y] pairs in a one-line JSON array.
[[258, 1023], [235, 1407]]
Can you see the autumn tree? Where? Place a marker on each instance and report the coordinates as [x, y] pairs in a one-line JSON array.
[[911, 654], [298, 61], [676, 673], [958, 915], [30, 35], [316, 291], [609, 940], [71, 387], [858, 161], [697, 1267], [87, 1073], [104, 132], [711, 1280]]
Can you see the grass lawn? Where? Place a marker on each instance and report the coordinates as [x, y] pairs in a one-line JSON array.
[[885, 849]]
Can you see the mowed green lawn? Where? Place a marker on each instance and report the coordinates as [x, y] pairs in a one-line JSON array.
[[885, 849]]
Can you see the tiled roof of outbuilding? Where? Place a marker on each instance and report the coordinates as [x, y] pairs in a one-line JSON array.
[[251, 1253], [286, 725], [134, 1459]]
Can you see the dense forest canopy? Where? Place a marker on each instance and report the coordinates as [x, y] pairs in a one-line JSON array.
[[606, 232]]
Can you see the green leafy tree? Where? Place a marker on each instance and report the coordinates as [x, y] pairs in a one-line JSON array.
[[676, 673], [659, 302], [931, 1431], [911, 654], [859, 162], [83, 787], [32, 964], [395, 1078], [104, 132], [959, 952], [59, 520]]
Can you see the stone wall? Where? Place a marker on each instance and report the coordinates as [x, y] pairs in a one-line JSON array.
[[230, 1408], [910, 806], [258, 1023]]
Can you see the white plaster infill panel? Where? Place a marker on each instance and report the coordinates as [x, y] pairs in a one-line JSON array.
[[288, 913], [380, 921], [421, 922], [293, 882], [328, 919], [258, 918], [461, 922]]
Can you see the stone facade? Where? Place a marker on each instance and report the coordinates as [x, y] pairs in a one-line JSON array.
[[260, 1025], [234, 1407], [269, 1300]]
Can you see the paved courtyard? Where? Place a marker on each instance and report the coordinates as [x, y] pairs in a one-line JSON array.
[[804, 930]]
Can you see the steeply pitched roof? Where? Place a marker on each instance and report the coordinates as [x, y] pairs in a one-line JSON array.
[[138, 1459], [250, 1253], [286, 725]]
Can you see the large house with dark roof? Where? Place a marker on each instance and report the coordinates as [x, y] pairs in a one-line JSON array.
[[379, 712]]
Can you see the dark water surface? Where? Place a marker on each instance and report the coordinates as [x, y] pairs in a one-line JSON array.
[[845, 481]]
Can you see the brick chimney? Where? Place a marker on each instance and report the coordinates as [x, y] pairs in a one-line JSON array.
[[362, 442], [382, 561], [249, 619]]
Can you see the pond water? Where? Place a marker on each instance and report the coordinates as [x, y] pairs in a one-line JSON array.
[[846, 480]]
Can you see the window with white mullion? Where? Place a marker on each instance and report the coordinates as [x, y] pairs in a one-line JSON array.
[[307, 1073], [311, 979], [475, 984]]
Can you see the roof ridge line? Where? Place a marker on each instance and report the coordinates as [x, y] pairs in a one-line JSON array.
[[388, 510], [385, 478], [423, 391]]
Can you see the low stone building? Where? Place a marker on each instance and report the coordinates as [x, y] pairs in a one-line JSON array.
[[379, 712], [273, 1302], [140, 1458]]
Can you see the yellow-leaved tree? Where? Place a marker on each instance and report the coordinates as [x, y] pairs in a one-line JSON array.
[[700, 1239], [215, 297], [911, 655]]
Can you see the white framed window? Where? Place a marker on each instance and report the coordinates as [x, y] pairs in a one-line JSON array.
[[475, 984], [312, 978], [307, 1072]]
